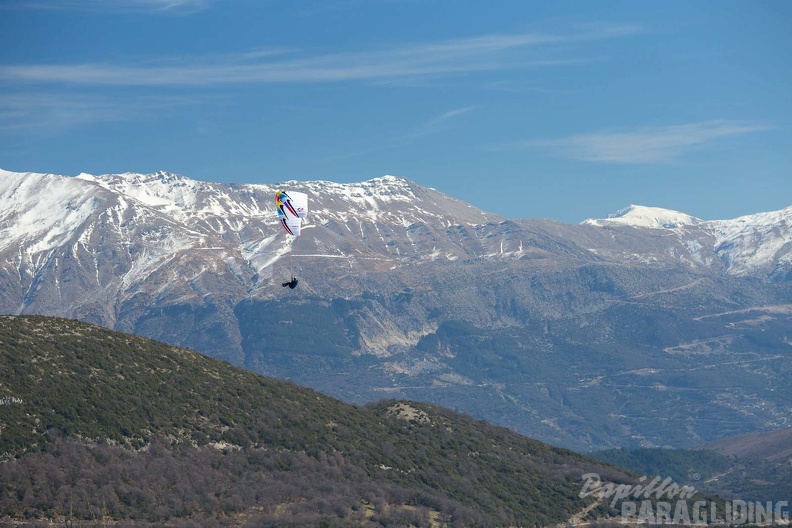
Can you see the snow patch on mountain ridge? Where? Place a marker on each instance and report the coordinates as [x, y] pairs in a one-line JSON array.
[[642, 216], [749, 243], [41, 208]]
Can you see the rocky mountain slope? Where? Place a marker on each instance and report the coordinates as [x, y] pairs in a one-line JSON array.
[[653, 328], [103, 428]]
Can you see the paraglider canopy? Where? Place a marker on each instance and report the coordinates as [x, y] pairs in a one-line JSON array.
[[292, 208]]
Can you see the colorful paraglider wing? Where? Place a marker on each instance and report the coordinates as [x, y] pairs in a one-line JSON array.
[[288, 214], [284, 203], [290, 223], [299, 202]]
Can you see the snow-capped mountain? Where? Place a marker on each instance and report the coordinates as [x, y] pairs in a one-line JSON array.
[[641, 216], [407, 292], [759, 244], [149, 222], [106, 248], [755, 243]]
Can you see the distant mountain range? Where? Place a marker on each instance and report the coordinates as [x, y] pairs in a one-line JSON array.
[[102, 428], [648, 328]]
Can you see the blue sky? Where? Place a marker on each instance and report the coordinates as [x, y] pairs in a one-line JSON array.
[[562, 109]]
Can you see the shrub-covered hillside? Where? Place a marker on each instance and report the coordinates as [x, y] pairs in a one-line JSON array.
[[99, 426]]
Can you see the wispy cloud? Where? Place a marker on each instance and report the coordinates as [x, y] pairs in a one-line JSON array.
[[521, 87], [46, 114], [141, 6], [438, 123], [646, 145], [458, 56], [434, 125]]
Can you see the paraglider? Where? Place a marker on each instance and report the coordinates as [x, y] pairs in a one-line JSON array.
[[292, 208]]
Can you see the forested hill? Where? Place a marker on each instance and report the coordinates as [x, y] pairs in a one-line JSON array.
[[99, 426]]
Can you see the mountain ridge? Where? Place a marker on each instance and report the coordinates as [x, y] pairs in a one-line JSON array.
[[405, 292], [745, 244]]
